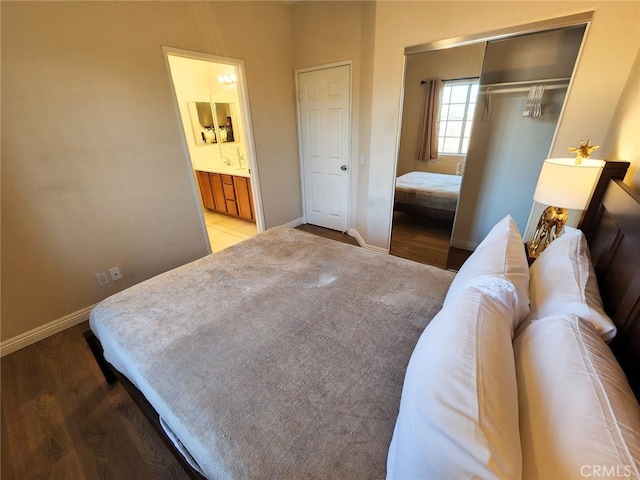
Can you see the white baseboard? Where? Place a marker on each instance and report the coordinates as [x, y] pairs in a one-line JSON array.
[[39, 333], [295, 223], [464, 245], [355, 234]]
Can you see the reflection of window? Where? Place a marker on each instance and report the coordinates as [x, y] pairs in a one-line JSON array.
[[456, 116]]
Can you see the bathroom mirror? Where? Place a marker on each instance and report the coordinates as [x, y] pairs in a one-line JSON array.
[[225, 119], [204, 130]]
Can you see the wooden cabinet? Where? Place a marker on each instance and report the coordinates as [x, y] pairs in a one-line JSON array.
[[218, 192], [205, 190], [244, 199], [228, 194]]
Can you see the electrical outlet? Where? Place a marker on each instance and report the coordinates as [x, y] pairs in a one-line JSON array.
[[102, 278], [115, 273]]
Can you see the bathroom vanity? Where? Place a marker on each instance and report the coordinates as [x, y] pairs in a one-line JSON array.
[[228, 194]]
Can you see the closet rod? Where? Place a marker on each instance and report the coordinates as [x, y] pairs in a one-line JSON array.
[[526, 82], [520, 89], [422, 82]]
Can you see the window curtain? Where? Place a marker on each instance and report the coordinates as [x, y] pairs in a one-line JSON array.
[[428, 142]]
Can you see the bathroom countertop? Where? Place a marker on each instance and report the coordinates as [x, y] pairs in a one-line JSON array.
[[226, 170]]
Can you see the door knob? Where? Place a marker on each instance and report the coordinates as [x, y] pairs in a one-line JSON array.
[[343, 167]]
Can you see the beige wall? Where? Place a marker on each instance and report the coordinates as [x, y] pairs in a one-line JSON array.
[[623, 139], [94, 173]]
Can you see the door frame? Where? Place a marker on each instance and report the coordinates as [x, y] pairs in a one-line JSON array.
[[243, 95], [315, 68]]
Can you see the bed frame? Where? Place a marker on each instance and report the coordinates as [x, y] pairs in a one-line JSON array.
[[613, 218], [613, 170], [614, 243], [424, 212]]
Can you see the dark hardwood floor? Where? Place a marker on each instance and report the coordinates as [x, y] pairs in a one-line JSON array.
[[425, 240], [421, 240], [61, 420], [327, 233]]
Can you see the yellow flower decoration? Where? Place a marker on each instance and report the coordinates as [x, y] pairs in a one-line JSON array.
[[584, 150]]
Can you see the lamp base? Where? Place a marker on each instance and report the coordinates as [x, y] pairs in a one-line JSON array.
[[549, 227]]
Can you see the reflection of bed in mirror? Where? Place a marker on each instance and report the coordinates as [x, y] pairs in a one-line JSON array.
[[429, 194]]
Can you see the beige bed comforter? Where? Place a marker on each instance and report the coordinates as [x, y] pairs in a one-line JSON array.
[[281, 357], [427, 189]]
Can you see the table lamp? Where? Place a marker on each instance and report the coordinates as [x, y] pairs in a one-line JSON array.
[[564, 183]]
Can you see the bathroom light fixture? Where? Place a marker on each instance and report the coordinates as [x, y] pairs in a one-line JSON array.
[[568, 182], [227, 78]]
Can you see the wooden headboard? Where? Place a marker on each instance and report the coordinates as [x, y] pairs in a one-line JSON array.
[[614, 243], [612, 170]]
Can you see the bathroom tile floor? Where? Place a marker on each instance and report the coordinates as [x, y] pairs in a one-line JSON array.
[[225, 231]]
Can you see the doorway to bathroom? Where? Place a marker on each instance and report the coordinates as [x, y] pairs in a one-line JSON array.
[[212, 105]]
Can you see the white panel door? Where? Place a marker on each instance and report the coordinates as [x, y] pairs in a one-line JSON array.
[[325, 122]]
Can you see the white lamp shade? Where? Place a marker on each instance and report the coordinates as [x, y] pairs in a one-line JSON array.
[[564, 183]]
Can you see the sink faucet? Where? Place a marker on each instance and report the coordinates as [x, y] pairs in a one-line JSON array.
[[240, 158]]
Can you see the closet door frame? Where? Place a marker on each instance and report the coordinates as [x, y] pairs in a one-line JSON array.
[[515, 31], [583, 18]]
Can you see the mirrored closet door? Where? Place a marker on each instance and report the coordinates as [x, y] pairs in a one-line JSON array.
[[478, 121], [440, 96]]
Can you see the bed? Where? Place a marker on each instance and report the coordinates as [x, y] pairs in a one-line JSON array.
[[293, 356], [312, 353], [430, 194]]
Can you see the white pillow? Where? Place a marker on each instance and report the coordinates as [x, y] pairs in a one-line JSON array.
[[458, 413], [578, 415], [500, 254], [562, 280]]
